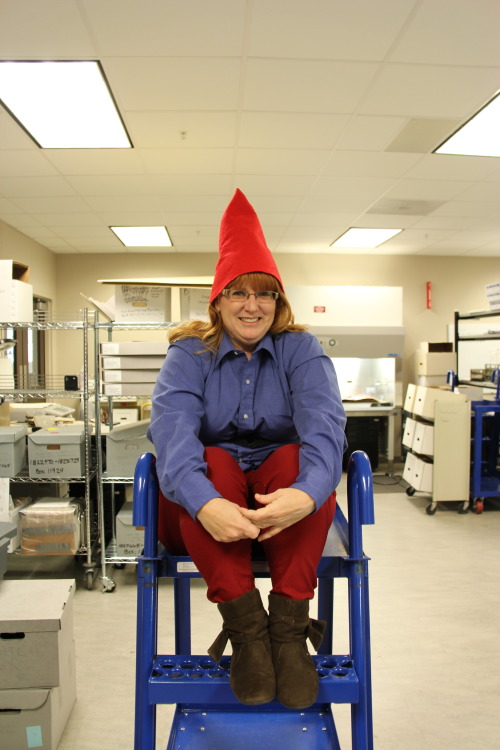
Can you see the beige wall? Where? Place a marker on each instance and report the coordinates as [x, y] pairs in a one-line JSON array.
[[457, 283], [42, 262]]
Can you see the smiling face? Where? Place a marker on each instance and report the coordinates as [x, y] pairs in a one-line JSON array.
[[247, 321]]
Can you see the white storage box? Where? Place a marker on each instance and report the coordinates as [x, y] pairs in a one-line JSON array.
[[423, 439], [435, 363], [50, 526], [409, 431], [135, 303], [7, 532], [16, 301], [133, 362], [124, 445], [36, 623], [57, 452], [425, 399], [422, 475], [408, 467], [410, 397], [128, 348], [12, 450], [12, 515], [129, 376], [36, 717], [129, 539]]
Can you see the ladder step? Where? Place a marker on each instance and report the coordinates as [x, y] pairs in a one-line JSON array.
[[230, 728], [198, 679]]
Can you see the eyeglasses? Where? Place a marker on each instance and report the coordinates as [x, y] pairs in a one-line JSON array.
[[241, 295]]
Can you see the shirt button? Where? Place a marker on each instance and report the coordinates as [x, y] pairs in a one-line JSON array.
[[245, 416], [247, 382]]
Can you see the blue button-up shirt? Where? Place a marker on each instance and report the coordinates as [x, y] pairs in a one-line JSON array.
[[287, 392]]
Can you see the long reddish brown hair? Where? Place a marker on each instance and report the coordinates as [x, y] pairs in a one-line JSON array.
[[210, 332]]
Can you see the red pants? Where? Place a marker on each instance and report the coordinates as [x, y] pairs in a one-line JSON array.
[[292, 555]]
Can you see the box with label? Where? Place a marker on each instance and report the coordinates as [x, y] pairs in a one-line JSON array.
[[12, 450], [124, 445], [36, 717], [36, 623], [57, 452], [51, 526], [129, 538], [135, 303], [142, 348]]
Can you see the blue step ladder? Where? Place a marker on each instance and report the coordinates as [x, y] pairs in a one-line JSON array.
[[207, 715]]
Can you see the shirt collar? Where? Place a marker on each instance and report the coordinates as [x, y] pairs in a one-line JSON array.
[[226, 347]]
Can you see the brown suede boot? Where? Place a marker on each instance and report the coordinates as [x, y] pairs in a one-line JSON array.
[[296, 675], [246, 626]]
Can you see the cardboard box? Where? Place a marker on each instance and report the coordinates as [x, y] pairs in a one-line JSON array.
[[423, 439], [435, 363], [36, 717], [12, 450], [142, 348], [135, 303], [129, 538], [436, 346], [57, 452], [38, 617], [124, 445], [133, 362], [12, 269], [50, 526], [16, 301], [410, 397], [128, 389]]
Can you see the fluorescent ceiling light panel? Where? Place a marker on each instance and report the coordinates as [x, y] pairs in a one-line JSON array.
[[480, 136], [143, 236], [63, 104], [361, 237]]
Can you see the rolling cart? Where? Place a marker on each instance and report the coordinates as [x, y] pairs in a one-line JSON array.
[[208, 716], [485, 472]]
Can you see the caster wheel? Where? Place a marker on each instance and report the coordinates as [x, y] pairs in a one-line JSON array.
[[119, 566], [479, 506], [89, 580], [108, 585], [463, 509], [410, 491], [431, 509]]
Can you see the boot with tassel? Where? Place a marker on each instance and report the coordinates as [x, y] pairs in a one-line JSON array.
[[246, 625], [289, 626]]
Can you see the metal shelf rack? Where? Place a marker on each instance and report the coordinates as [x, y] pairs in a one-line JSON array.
[[24, 387]]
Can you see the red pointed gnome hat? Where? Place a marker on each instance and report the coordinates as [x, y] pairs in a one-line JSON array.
[[242, 246]]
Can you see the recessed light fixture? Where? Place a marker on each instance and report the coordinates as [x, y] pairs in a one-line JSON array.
[[143, 236], [63, 104], [364, 237], [479, 136]]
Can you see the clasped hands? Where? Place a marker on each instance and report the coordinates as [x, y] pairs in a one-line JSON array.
[[228, 522]]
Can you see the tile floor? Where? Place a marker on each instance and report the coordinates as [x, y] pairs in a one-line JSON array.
[[435, 616]]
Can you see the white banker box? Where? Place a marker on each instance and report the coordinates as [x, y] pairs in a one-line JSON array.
[[37, 662], [57, 452], [12, 450], [124, 445]]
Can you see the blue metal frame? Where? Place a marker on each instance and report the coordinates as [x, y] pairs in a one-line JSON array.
[[201, 690]]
